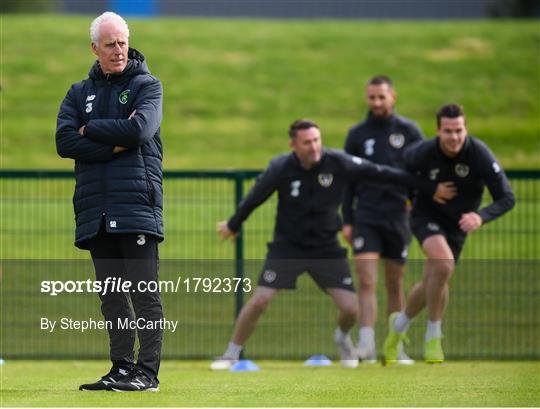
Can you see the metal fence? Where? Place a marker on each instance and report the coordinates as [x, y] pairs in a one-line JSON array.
[[494, 310]]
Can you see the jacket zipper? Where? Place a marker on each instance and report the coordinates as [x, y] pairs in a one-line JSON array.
[[105, 103]]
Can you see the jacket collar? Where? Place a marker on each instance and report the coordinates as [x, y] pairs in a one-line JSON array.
[[378, 121], [324, 154], [136, 65]]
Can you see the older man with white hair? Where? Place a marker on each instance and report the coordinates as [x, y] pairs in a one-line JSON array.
[[110, 125]]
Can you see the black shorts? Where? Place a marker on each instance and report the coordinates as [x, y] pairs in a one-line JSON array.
[[391, 239], [328, 266], [426, 226]]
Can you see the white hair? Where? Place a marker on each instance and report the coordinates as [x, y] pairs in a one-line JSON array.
[[107, 16]]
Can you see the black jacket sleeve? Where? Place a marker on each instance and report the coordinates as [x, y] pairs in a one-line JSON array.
[[498, 186], [347, 205], [358, 169], [136, 131], [69, 143], [410, 156], [265, 185], [414, 156], [348, 196]]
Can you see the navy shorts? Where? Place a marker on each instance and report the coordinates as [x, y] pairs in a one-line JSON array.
[[391, 239], [285, 262], [426, 226]]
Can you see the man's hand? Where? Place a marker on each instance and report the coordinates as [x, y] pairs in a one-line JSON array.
[[445, 191], [470, 222], [347, 233], [224, 231], [118, 149], [81, 130], [408, 205]]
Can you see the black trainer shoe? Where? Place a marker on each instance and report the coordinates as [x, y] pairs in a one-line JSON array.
[[136, 381], [104, 384]]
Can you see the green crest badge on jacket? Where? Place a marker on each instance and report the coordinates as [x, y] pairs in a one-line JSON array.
[[123, 97]]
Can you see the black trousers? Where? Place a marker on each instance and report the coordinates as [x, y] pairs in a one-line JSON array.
[[132, 257]]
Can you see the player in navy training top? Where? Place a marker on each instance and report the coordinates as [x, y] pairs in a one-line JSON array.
[[375, 215], [442, 229]]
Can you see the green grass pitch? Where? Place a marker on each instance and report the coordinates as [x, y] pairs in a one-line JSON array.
[[282, 384]]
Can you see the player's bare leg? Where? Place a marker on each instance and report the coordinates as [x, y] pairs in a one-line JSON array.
[[346, 303], [245, 325], [430, 293], [366, 269], [439, 268], [434, 285], [251, 312], [416, 301], [395, 300]]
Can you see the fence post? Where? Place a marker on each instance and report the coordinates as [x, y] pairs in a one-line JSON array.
[[239, 247]]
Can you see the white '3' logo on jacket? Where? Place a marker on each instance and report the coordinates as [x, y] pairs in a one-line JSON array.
[[369, 147], [295, 188]]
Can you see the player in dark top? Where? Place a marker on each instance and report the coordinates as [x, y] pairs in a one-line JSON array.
[[442, 229], [310, 183], [378, 223]]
